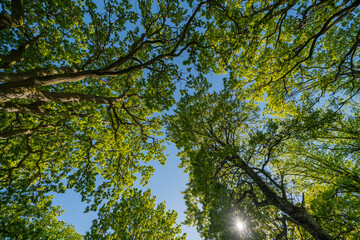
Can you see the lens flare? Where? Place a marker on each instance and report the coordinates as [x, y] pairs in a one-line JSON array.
[[240, 226]]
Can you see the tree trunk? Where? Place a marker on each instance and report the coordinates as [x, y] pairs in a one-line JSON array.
[[297, 214]]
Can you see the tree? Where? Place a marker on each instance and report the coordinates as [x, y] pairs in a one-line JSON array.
[[79, 86], [292, 172], [286, 178]]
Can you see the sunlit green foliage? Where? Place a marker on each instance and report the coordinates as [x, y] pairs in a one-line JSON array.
[[286, 49], [135, 217], [26, 220], [294, 176], [290, 169], [83, 83]]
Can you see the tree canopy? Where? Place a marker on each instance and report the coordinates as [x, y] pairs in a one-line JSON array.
[[84, 86], [284, 178], [288, 169], [135, 217], [80, 84]]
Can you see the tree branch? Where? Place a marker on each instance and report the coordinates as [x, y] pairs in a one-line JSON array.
[[34, 108], [17, 17], [21, 132], [300, 215], [15, 55], [50, 97], [35, 73]]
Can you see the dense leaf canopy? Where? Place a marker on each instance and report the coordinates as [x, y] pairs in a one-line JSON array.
[[80, 84], [135, 217], [290, 169], [83, 88]]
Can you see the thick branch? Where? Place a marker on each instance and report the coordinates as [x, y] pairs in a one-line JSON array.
[[14, 133], [28, 88], [300, 215], [35, 73], [17, 17], [56, 97], [34, 108], [21, 132], [50, 97], [15, 55]]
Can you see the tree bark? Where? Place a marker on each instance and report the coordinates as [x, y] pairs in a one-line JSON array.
[[14, 133], [16, 55], [56, 97], [35, 73], [34, 108], [50, 97], [17, 17], [28, 88]]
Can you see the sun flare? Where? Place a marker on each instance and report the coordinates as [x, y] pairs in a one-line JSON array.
[[240, 226]]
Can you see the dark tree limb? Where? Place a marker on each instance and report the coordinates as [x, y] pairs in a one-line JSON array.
[[15, 55], [298, 214], [51, 97], [35, 73], [16, 19], [22, 132], [34, 108]]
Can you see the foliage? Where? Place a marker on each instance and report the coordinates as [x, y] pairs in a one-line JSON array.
[[83, 87], [289, 171], [135, 217], [293, 177], [288, 50], [26, 220], [81, 83]]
